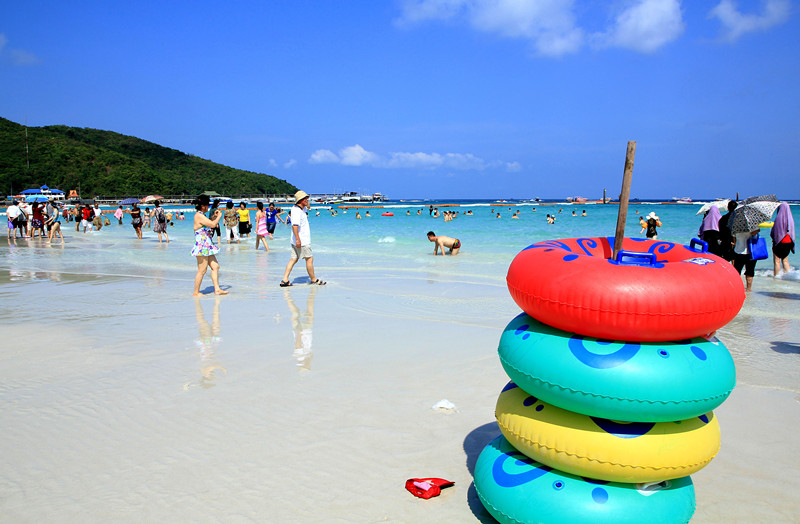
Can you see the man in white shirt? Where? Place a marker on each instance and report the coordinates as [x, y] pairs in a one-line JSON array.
[[301, 240], [12, 213]]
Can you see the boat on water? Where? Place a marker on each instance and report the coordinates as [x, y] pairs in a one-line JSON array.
[[577, 199], [682, 200]]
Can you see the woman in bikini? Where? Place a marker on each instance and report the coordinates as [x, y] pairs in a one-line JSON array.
[[204, 248]]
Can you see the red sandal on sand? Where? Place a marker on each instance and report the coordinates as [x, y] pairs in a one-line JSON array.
[[427, 488]]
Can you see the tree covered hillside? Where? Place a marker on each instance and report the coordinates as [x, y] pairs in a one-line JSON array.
[[108, 163]]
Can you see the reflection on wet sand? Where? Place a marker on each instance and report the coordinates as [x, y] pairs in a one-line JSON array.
[[207, 342], [302, 325]]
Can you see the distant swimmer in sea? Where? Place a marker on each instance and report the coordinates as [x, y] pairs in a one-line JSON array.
[[584, 213], [442, 242], [358, 215], [204, 248]]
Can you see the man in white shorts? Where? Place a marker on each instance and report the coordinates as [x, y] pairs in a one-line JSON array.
[[301, 240]]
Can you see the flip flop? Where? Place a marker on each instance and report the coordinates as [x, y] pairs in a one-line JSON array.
[[427, 488], [286, 284], [319, 282]]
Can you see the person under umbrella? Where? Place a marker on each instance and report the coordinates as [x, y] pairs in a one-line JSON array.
[[725, 236], [782, 239], [745, 224], [709, 230]]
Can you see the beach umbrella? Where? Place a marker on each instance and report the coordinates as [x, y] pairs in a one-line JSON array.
[[748, 216], [33, 198], [721, 204], [128, 201], [151, 198]]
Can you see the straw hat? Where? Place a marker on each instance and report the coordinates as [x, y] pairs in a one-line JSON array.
[[300, 195]]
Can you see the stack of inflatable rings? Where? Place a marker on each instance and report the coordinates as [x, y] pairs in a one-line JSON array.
[[596, 430]]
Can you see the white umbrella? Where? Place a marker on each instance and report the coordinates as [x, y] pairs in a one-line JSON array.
[[721, 204]]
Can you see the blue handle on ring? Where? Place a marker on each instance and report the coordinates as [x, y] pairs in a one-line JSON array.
[[639, 259], [703, 245]]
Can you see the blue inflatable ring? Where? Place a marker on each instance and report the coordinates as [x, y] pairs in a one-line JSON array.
[[515, 488], [630, 381]]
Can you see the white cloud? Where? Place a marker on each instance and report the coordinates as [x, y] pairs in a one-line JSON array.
[[645, 26], [513, 167], [290, 164], [273, 163], [549, 25], [735, 23], [358, 156], [16, 56], [414, 160], [323, 156]]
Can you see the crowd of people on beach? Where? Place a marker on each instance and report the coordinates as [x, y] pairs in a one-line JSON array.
[[739, 246], [44, 220]]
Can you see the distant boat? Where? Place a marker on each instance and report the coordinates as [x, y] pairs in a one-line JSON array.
[[682, 200], [576, 199]]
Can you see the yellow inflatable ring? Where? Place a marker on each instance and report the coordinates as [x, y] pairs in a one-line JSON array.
[[597, 448], [766, 224]]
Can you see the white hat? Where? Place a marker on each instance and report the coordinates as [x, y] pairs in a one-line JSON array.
[[652, 215]]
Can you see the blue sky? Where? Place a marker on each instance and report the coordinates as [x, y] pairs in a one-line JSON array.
[[430, 98]]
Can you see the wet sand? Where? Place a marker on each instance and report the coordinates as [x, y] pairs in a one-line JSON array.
[[126, 399]]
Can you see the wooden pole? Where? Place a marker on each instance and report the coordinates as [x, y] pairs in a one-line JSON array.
[[624, 195]]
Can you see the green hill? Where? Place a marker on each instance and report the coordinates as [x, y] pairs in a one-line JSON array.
[[108, 163]]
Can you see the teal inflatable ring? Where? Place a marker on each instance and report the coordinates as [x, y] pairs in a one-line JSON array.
[[630, 381], [515, 488]]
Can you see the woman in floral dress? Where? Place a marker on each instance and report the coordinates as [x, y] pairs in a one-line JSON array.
[[204, 248]]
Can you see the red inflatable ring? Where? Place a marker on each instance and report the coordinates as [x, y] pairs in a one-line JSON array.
[[653, 291]]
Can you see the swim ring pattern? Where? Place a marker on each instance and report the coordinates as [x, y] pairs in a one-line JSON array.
[[605, 449], [515, 488], [615, 373], [633, 381], [672, 292]]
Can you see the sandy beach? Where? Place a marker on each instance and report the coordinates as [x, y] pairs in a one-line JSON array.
[[126, 399]]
